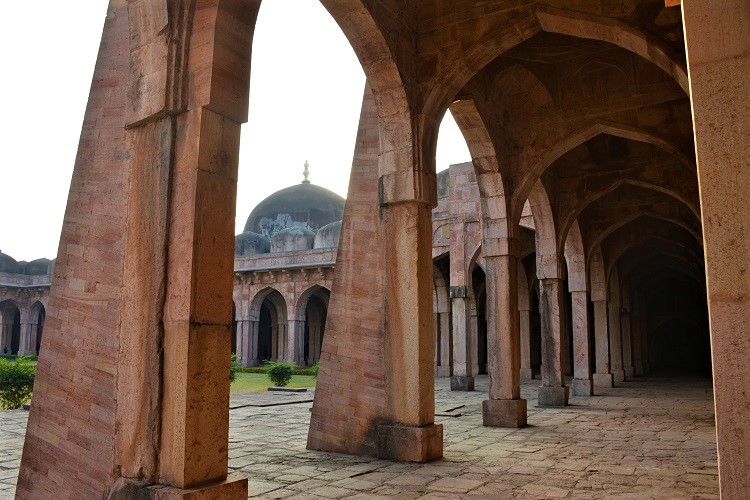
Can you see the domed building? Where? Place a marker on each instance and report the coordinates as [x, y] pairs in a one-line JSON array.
[[304, 205], [284, 262], [24, 292]]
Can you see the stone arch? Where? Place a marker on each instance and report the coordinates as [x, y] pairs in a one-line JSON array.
[[311, 313], [548, 263], [37, 316], [492, 189], [10, 327], [614, 227], [583, 134], [269, 308], [496, 42], [571, 218]]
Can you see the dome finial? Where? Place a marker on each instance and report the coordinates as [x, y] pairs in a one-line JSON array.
[[306, 173]]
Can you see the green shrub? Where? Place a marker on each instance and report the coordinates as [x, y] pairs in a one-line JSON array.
[[264, 369], [314, 369], [280, 373], [16, 382], [233, 367]]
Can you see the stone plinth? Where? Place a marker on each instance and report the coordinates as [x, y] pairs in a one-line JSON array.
[[527, 374], [583, 387], [410, 444], [462, 383], [504, 413], [553, 396], [603, 380], [232, 488], [618, 375]]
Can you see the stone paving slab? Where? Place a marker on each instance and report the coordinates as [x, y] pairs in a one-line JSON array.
[[652, 438]]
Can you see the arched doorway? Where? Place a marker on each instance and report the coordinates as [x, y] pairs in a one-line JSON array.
[[11, 327], [37, 317], [479, 286], [271, 326], [315, 325]]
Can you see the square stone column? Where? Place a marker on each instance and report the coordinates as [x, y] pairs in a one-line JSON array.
[[602, 376], [524, 322], [717, 39], [295, 344], [444, 369], [615, 343], [504, 408], [582, 383], [25, 347], [411, 434], [463, 348], [553, 391]]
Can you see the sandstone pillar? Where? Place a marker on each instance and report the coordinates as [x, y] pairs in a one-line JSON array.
[[25, 347], [582, 384], [411, 433], [615, 342], [524, 321], [717, 39], [33, 340], [553, 391], [474, 333], [504, 408], [6, 327], [243, 342], [295, 342], [627, 346], [602, 376], [463, 348], [444, 356]]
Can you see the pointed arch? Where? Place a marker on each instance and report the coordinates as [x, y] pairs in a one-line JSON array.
[[579, 137]]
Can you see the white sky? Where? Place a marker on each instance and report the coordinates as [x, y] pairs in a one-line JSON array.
[[305, 98]]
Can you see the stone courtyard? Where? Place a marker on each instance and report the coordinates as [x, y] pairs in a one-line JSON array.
[[651, 438]]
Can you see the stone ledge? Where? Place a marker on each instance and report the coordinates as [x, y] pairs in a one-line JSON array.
[[410, 444]]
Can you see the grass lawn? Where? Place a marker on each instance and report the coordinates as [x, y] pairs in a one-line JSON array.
[[255, 382]]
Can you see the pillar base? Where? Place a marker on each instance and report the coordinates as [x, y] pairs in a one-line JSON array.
[[442, 371], [233, 488], [629, 372], [504, 413], [553, 396], [404, 443], [583, 387], [462, 383], [618, 376], [527, 374], [603, 380]]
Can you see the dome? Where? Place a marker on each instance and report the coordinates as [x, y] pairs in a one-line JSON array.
[[328, 235], [8, 264], [38, 267], [292, 239], [250, 243], [305, 205]]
